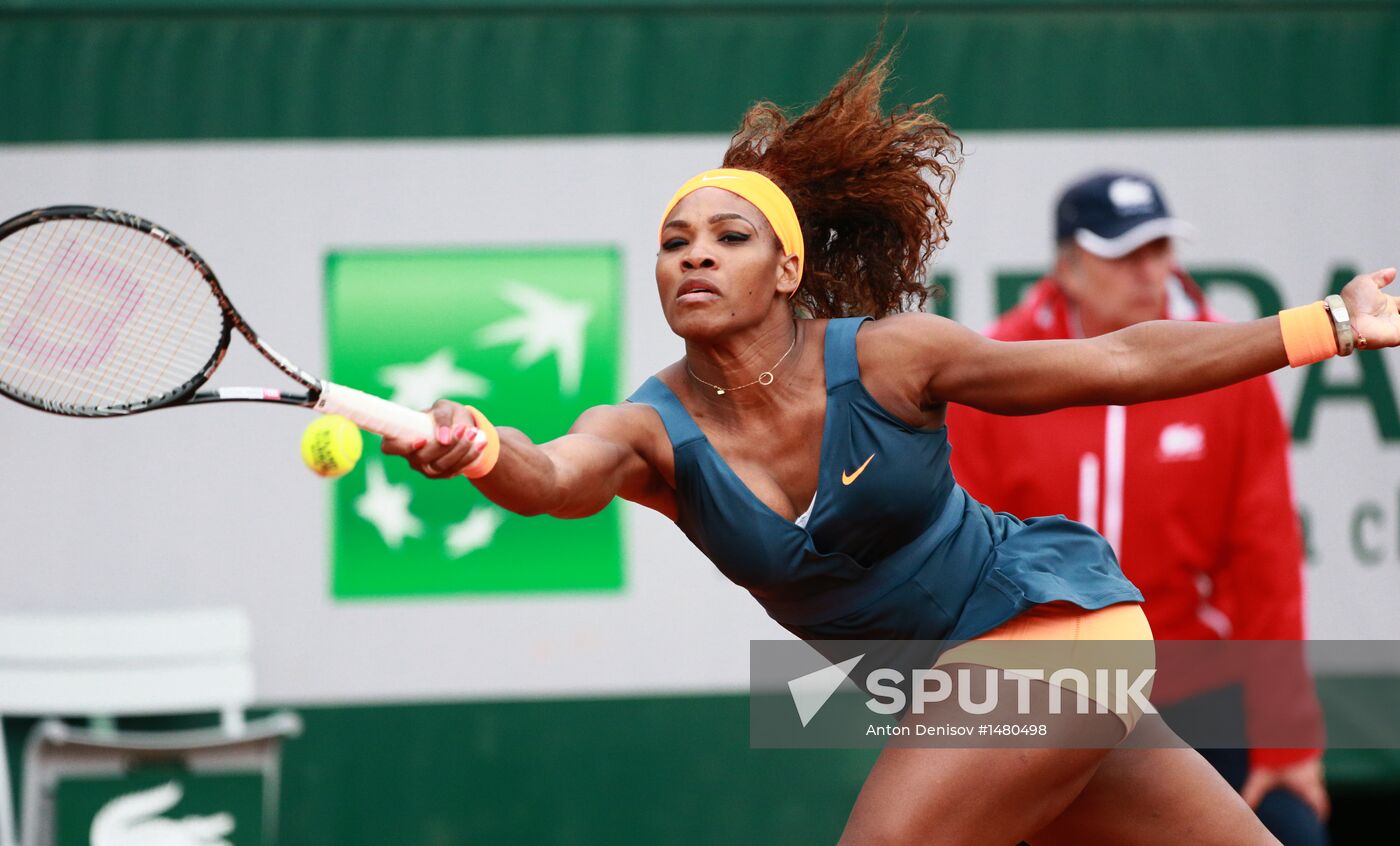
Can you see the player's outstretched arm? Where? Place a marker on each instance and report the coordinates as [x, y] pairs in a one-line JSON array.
[[1149, 361], [602, 457]]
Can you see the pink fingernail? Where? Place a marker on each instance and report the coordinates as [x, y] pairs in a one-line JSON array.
[[444, 435], [420, 443], [458, 432]]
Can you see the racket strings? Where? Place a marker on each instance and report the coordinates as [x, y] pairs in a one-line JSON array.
[[167, 263], [96, 315], [168, 359], [63, 327], [77, 335]]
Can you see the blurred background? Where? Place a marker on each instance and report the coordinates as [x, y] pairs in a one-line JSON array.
[[387, 189]]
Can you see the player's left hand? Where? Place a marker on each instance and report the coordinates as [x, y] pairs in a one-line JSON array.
[[1303, 778], [1373, 313]]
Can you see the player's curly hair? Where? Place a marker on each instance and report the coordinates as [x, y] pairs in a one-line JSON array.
[[870, 190]]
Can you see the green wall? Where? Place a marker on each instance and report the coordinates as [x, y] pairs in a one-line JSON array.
[[73, 70], [666, 770], [658, 770]]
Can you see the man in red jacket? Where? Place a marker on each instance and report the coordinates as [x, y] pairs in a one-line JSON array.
[[1192, 493]]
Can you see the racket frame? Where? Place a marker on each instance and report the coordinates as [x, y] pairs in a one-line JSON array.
[[188, 393], [372, 413]]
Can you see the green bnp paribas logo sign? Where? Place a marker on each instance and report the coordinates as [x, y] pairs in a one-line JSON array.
[[530, 336]]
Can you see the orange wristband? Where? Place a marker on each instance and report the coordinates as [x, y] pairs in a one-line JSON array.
[[485, 462], [1307, 334]]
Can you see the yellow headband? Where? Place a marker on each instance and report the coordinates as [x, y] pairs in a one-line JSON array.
[[758, 189]]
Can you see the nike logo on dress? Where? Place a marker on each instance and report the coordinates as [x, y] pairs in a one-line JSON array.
[[847, 478]]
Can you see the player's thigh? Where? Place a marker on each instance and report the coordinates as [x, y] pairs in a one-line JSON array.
[[988, 797], [1151, 796], [967, 793]]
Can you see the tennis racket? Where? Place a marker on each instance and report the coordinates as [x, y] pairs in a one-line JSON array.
[[105, 314]]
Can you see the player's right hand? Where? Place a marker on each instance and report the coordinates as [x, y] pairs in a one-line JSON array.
[[456, 442]]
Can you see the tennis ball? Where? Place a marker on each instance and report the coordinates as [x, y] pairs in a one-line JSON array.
[[331, 445]]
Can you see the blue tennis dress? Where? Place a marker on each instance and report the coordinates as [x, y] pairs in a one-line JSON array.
[[901, 551]]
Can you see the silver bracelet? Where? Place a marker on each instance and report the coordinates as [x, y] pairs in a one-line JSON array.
[[1341, 324]]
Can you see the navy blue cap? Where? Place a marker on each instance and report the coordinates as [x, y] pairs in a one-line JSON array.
[[1111, 214]]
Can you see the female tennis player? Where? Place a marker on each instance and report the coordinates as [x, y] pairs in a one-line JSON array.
[[799, 444]]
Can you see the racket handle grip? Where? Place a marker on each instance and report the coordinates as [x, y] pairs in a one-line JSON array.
[[374, 414]]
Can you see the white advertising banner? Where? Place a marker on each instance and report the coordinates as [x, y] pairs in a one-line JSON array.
[[201, 507]]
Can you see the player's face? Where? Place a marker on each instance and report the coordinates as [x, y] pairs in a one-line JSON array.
[[1114, 293], [720, 266]]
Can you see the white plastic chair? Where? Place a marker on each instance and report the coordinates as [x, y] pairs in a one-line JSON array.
[[104, 666]]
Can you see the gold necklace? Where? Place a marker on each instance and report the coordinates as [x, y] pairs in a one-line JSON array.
[[764, 378]]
